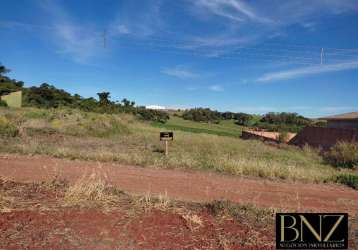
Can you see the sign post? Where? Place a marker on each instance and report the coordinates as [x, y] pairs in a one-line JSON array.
[[166, 136]]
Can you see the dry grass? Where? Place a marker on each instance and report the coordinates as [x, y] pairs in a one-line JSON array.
[[193, 221], [124, 139], [89, 191], [5, 203], [150, 202]]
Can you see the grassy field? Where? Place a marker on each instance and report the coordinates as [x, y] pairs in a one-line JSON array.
[[123, 138], [224, 128]]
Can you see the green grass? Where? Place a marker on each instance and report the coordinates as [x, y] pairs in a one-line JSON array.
[[349, 179], [224, 128], [123, 138]]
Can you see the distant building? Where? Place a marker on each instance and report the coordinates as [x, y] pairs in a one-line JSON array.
[[347, 120], [13, 99]]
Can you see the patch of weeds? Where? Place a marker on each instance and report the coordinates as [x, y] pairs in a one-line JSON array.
[[89, 191], [148, 202], [193, 221], [7, 129], [40, 131], [241, 212], [41, 114], [57, 184], [344, 155], [349, 179]]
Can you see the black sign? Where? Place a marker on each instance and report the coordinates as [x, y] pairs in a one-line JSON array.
[[166, 136], [311, 231]]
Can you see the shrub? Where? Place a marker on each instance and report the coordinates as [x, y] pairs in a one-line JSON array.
[[343, 154], [283, 137], [7, 129], [153, 115], [243, 119], [89, 191], [290, 122], [3, 103], [202, 115], [350, 180]]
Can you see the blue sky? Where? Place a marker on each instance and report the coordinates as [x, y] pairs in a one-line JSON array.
[[250, 56]]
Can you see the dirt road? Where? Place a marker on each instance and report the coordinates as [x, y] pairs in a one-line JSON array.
[[187, 185]]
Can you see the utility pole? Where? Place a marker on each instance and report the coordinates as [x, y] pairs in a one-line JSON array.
[[322, 54], [104, 38]]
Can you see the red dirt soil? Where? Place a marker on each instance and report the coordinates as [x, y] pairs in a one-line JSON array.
[[72, 229], [36, 219], [188, 185]]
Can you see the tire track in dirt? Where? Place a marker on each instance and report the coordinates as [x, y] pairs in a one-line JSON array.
[[187, 185]]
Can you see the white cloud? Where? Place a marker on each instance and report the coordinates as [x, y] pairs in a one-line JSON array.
[[239, 18], [310, 70], [311, 26], [141, 20], [192, 88], [232, 9], [180, 72], [79, 42], [216, 88], [80, 46], [123, 29]]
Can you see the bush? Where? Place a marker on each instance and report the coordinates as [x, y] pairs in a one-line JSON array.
[[344, 155], [153, 115], [7, 129], [243, 119], [350, 180], [283, 137], [289, 122], [202, 115], [3, 103]]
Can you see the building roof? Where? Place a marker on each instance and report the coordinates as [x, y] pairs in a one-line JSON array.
[[345, 116]]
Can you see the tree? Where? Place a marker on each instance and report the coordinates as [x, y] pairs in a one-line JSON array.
[[228, 115], [126, 102], [3, 103], [8, 85], [3, 70], [104, 98], [243, 119], [202, 115], [289, 122]]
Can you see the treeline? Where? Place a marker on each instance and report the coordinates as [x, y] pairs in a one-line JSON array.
[[213, 116], [288, 122], [48, 96], [282, 122]]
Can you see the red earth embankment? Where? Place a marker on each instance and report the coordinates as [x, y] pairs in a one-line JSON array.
[[324, 137]]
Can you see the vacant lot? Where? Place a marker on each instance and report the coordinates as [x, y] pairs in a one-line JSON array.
[[48, 214], [46, 202], [125, 139]]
